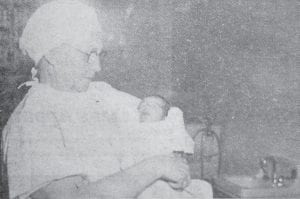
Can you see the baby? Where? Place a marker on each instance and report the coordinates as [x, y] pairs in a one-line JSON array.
[[160, 130], [153, 109]]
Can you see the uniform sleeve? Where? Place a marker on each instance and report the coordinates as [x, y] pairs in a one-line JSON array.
[[34, 150]]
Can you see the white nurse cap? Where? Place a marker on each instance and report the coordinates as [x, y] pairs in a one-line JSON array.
[[61, 22]]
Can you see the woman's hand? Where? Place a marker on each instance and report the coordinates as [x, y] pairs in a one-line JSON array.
[[173, 169]]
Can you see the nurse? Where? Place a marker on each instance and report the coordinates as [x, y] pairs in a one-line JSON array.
[[63, 125]]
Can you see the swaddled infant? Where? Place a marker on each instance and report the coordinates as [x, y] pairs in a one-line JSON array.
[[153, 109], [160, 130]]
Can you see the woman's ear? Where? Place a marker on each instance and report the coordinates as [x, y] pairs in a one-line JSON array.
[[45, 70]]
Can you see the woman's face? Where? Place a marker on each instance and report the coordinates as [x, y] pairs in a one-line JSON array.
[[75, 69], [86, 71]]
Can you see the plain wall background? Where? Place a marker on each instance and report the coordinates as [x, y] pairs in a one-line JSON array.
[[234, 61]]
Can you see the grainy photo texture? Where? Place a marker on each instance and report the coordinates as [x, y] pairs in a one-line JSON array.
[[149, 99]]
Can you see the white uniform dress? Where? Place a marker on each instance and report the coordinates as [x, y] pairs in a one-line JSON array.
[[53, 134]]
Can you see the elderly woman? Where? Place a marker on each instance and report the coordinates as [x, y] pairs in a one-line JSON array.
[[66, 125]]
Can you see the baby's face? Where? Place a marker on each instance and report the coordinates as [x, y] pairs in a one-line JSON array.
[[151, 110]]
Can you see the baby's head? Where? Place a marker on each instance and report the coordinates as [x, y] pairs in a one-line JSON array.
[[153, 108]]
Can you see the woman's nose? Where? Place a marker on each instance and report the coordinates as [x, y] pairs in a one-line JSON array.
[[94, 62]]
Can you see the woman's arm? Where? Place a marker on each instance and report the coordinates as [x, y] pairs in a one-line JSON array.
[[124, 184], [134, 180]]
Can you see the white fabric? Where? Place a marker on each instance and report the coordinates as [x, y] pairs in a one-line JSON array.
[[54, 134], [155, 138], [199, 189], [61, 21]]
